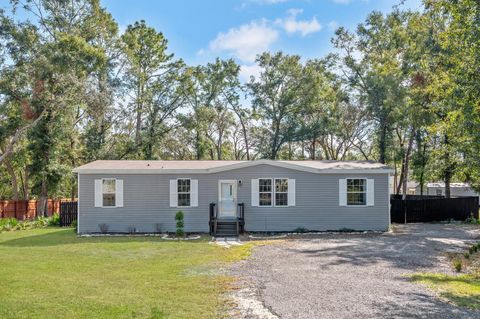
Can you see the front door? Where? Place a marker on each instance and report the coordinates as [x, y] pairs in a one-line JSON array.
[[227, 194]]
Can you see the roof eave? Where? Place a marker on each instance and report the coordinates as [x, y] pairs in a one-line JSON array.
[[211, 171]]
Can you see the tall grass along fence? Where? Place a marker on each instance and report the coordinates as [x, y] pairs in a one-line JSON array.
[[28, 209], [68, 213], [415, 209]]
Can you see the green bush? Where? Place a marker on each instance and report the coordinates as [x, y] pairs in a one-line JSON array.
[[8, 224], [74, 225], [54, 220], [457, 264], [472, 220], [11, 224], [180, 224], [300, 230], [466, 255]]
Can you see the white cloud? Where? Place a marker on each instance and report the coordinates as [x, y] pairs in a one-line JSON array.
[[292, 25], [249, 70], [246, 41]]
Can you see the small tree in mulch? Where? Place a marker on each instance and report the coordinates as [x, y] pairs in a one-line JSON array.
[[180, 224]]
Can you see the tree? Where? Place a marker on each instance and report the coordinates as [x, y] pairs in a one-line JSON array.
[[455, 87], [212, 94], [49, 63], [148, 75], [277, 97]]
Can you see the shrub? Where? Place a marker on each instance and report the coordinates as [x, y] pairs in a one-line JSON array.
[[471, 250], [180, 224], [346, 230], [132, 229], [54, 220], [103, 228], [74, 224], [466, 255], [472, 220], [300, 230], [457, 264], [11, 224]]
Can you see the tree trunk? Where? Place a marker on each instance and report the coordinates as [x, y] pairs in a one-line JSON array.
[[219, 146], [43, 199], [448, 168], [405, 163], [197, 144], [138, 124], [273, 155], [313, 156], [245, 138], [422, 172], [13, 175], [382, 143], [26, 189]]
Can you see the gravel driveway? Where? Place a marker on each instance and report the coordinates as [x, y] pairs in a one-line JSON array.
[[352, 275]]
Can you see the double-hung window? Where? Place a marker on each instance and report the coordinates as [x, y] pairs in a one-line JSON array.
[[265, 192], [184, 191], [108, 192], [281, 191], [356, 191], [273, 192]]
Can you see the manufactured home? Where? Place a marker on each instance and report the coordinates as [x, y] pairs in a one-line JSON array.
[[227, 197], [456, 189]]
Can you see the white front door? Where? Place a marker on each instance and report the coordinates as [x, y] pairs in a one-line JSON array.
[[227, 194]]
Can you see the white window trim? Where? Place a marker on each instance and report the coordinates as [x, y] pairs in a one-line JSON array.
[[190, 192], [366, 192], [271, 192], [275, 191], [109, 179]]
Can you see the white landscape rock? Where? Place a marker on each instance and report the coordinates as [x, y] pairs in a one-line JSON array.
[[249, 305], [226, 242]]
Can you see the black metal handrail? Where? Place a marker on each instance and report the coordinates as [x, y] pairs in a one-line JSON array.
[[241, 211], [239, 220], [213, 213], [213, 218]]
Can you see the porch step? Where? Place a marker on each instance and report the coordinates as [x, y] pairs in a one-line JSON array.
[[226, 228]]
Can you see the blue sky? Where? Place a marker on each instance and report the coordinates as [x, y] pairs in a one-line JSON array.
[[198, 31]]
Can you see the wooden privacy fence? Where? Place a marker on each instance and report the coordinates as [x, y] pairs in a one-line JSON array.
[[68, 213], [27, 209], [432, 208]]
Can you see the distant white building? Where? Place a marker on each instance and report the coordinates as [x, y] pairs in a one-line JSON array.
[[456, 189]]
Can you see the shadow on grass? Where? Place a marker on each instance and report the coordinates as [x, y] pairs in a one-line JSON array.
[[68, 237]]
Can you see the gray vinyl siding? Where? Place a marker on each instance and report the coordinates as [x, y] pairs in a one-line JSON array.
[[146, 203]]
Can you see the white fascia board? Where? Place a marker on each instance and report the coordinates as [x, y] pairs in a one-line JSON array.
[[114, 171]]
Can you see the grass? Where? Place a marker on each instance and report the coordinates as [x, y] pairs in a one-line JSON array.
[[462, 290], [51, 273]]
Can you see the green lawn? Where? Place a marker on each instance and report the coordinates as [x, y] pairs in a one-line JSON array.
[[462, 290], [50, 273]]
